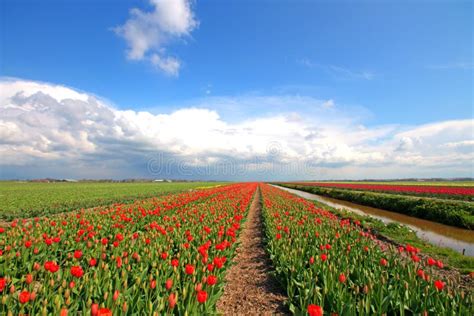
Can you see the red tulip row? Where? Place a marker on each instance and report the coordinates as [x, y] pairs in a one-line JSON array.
[[330, 265], [410, 189], [163, 255]]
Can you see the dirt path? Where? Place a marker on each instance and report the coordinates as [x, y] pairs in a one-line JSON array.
[[250, 289]]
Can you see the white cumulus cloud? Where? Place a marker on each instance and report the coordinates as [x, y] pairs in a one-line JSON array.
[[170, 65], [48, 130], [148, 33]]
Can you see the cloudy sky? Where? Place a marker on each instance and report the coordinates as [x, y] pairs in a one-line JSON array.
[[236, 90]]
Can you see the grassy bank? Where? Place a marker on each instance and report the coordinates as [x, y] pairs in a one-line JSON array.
[[449, 212], [26, 199]]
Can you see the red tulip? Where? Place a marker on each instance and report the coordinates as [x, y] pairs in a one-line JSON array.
[[172, 300], [169, 284], [94, 309], [219, 262], [24, 297], [420, 273], [202, 296], [77, 271], [324, 257], [342, 278], [116, 295], [28, 278], [439, 285], [211, 280], [51, 266], [189, 269], [315, 310], [3, 283], [198, 287], [104, 312], [78, 254], [383, 262]]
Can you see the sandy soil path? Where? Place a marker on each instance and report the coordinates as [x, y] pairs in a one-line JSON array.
[[250, 289]]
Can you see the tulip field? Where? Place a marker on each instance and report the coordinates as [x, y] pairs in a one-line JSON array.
[[29, 199], [152, 257], [168, 255], [442, 191], [330, 265]]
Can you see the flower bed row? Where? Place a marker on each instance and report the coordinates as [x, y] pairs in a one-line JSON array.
[[160, 256], [423, 190], [331, 265], [26, 200], [449, 212]]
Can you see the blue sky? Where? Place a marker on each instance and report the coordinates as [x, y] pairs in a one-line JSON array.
[[388, 63]]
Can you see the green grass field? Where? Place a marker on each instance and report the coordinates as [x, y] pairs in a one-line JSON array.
[[26, 199]]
